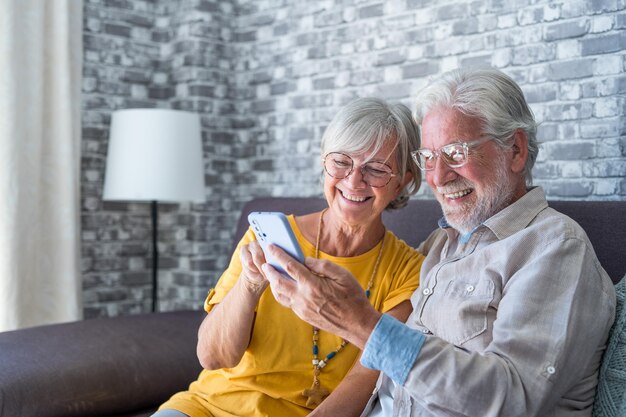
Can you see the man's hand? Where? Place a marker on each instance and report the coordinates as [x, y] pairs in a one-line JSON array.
[[324, 295]]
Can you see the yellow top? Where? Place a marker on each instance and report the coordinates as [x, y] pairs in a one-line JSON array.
[[276, 366]]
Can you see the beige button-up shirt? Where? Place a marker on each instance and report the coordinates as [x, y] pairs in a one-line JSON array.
[[516, 320]]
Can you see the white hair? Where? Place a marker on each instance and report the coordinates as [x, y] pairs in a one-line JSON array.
[[489, 95], [365, 125]]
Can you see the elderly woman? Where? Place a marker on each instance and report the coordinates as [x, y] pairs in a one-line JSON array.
[[260, 359]]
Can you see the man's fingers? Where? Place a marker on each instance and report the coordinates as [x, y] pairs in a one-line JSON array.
[[326, 268], [281, 286], [294, 268]]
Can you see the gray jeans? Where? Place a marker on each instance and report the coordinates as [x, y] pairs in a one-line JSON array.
[[169, 413]]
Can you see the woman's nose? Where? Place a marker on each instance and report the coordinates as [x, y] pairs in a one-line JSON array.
[[355, 178]]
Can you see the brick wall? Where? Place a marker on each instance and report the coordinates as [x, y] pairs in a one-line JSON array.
[[267, 76], [163, 54]]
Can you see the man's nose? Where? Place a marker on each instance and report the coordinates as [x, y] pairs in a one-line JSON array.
[[442, 173]]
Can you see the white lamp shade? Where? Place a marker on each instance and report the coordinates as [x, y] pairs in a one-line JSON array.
[[154, 154]]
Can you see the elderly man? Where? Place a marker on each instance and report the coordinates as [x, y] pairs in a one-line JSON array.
[[513, 309]]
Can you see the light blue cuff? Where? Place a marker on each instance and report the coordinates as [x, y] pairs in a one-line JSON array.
[[392, 348]]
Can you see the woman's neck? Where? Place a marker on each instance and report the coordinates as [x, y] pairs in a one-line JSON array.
[[339, 238]]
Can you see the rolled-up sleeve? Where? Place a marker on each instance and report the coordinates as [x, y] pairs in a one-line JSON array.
[[392, 348]]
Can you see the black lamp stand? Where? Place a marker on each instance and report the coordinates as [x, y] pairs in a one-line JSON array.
[[155, 254]]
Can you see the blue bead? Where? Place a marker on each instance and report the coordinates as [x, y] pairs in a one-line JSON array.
[[315, 349], [367, 293], [330, 355]]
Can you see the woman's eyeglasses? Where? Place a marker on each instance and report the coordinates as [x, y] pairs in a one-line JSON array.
[[375, 174]]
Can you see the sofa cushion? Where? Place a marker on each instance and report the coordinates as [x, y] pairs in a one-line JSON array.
[[98, 367], [611, 394]]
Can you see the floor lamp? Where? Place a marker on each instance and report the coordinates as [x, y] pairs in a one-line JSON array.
[[154, 155]]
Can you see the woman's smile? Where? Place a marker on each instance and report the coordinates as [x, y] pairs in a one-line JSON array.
[[353, 198]]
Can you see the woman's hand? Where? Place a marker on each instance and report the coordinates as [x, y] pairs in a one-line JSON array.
[[252, 258], [225, 332]]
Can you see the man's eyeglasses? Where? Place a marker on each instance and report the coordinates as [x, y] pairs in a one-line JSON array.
[[454, 154], [375, 174]]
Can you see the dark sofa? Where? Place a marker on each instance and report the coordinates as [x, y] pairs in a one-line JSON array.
[[127, 366]]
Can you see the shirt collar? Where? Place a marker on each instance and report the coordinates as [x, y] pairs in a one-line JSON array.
[[518, 215]]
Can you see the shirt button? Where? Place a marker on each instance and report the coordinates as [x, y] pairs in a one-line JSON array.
[[427, 291], [470, 288], [551, 370]]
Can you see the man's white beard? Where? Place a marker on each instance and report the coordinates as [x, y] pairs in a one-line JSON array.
[[496, 196]]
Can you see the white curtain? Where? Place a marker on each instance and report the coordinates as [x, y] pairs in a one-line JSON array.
[[40, 85]]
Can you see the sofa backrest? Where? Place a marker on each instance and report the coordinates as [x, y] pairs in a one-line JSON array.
[[604, 222]]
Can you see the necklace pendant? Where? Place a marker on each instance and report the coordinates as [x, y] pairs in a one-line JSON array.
[[315, 395]]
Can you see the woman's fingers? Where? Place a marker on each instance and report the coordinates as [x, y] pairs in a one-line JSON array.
[[252, 258]]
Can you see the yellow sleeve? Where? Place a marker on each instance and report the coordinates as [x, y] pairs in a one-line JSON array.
[[405, 268], [230, 276]]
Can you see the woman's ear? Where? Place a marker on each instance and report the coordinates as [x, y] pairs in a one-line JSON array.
[[408, 177], [520, 151]]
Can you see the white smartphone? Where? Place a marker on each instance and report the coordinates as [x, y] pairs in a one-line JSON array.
[[273, 228]]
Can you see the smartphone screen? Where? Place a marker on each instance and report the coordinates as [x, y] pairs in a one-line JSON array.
[[274, 228]]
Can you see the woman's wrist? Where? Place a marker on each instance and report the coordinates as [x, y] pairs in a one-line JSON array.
[[253, 287]]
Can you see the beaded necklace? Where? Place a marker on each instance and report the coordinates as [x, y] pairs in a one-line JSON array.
[[317, 393]]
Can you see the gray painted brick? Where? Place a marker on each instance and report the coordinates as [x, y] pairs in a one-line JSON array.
[[394, 91], [569, 151], [530, 54], [208, 6], [417, 70], [570, 188], [299, 133], [417, 4], [375, 10], [121, 4], [452, 11], [465, 27], [263, 106], [391, 57], [600, 6], [540, 92], [595, 129], [565, 30], [602, 87], [421, 35], [476, 61], [610, 168], [117, 30], [547, 170], [530, 15], [571, 69], [603, 44], [546, 132], [325, 83], [328, 19], [569, 111]]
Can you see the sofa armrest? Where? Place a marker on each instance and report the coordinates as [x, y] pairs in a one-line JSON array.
[[98, 367]]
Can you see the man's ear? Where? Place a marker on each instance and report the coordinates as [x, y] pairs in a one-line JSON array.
[[520, 151]]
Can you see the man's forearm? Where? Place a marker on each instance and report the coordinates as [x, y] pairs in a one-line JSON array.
[[392, 348]]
